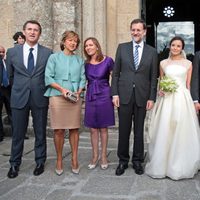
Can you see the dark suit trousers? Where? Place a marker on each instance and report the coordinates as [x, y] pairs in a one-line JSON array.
[[128, 114], [20, 123], [4, 100]]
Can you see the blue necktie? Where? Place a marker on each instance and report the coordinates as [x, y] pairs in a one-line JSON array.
[[5, 81], [136, 57], [30, 66]]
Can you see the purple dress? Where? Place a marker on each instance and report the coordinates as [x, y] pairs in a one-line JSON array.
[[99, 109]]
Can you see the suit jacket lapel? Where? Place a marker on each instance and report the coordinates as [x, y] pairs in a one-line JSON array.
[[39, 57], [21, 56], [144, 55], [130, 55]]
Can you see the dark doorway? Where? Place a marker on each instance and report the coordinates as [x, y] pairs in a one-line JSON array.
[[182, 12]]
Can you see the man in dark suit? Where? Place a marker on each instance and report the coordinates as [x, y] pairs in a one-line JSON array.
[[133, 87], [195, 81], [26, 67], [5, 91]]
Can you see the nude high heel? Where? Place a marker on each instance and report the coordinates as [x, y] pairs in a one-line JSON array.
[[93, 166]]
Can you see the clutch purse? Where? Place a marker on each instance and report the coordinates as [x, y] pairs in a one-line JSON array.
[[71, 97]]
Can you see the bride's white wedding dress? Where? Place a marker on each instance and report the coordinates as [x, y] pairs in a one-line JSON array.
[[174, 148]]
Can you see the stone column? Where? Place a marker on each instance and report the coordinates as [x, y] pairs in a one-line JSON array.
[[63, 17], [88, 18], [100, 22], [66, 16], [111, 27], [94, 20], [120, 13]]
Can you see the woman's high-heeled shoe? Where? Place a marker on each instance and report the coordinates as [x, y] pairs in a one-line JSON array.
[[104, 163], [104, 166], [76, 171], [73, 165], [93, 166], [59, 171]]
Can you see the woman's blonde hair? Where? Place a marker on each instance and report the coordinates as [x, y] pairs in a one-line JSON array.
[[99, 51], [66, 35]]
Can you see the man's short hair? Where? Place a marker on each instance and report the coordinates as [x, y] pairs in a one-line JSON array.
[[32, 22]]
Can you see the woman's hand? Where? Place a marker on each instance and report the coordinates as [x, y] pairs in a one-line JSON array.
[[161, 93], [78, 95], [60, 88], [197, 107], [64, 92]]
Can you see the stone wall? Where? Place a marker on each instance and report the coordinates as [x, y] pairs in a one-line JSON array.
[[107, 20], [6, 23], [120, 13], [55, 16]]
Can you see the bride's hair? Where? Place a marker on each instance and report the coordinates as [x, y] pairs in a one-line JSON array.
[[183, 54]]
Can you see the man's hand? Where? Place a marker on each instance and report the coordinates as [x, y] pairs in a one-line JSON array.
[[115, 100]]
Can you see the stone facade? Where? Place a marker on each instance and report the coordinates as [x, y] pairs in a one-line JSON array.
[[108, 20]]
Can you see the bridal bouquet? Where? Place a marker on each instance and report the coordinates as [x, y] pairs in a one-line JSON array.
[[168, 84]]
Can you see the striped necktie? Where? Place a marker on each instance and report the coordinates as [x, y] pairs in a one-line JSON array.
[[136, 56]]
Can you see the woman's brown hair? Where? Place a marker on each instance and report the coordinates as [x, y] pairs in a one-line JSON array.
[[66, 35], [100, 56]]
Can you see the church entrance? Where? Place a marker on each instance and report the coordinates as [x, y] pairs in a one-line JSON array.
[[167, 18]]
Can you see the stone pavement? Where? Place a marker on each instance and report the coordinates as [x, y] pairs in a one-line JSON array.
[[94, 184]]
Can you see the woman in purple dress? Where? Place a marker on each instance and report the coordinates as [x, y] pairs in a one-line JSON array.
[[99, 110]]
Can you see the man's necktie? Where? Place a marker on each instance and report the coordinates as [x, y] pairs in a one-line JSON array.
[[136, 57], [5, 81], [30, 66]]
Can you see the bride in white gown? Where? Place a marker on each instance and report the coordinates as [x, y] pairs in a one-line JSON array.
[[174, 148]]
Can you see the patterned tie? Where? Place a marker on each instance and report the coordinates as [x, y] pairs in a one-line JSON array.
[[5, 81], [136, 56], [30, 66]]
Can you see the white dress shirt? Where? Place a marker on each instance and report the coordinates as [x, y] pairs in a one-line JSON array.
[[26, 51]]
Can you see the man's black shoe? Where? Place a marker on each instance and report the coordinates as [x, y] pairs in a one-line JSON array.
[[138, 168], [13, 172], [39, 169], [1, 139], [121, 169]]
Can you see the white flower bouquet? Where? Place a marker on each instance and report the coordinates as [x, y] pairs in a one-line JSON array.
[[168, 84]]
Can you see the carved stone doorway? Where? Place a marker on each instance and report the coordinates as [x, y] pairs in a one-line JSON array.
[[174, 15]]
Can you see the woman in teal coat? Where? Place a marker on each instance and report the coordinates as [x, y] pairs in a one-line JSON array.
[[65, 74]]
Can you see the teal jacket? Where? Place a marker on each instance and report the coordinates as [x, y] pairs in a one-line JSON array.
[[66, 70]]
